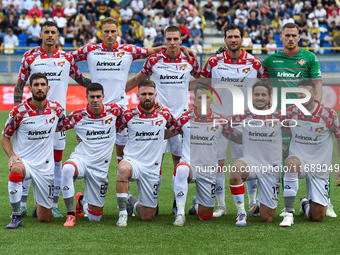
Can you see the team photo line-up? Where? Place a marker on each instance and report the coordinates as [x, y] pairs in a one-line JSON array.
[[275, 146]]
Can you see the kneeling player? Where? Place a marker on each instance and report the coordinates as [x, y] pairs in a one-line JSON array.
[[262, 158], [96, 127], [202, 129], [32, 125], [310, 157], [142, 154]]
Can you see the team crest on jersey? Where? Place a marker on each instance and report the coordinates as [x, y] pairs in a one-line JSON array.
[[52, 120], [246, 70], [214, 128], [108, 121], [302, 62], [61, 63], [158, 123], [120, 54], [273, 124], [319, 129], [284, 147], [181, 67]]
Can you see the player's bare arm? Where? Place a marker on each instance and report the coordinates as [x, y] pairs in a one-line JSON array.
[[7, 146], [338, 174], [18, 92], [237, 139], [29, 52], [318, 89], [133, 82], [188, 52], [83, 81]]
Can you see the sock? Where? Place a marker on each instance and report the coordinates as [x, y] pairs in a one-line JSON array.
[[196, 208], [23, 201], [57, 182], [220, 188], [251, 190], [238, 194], [69, 205], [122, 203], [132, 200], [92, 215], [160, 180], [181, 187], [15, 192], [119, 159], [25, 190], [291, 187], [307, 210], [67, 182]]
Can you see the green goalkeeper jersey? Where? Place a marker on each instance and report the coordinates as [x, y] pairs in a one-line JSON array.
[[286, 70]]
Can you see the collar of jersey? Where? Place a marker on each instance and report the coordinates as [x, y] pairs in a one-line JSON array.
[[179, 56], [289, 55], [93, 115], [240, 57], [106, 48], [197, 116], [32, 106], [54, 52], [317, 108], [143, 112]]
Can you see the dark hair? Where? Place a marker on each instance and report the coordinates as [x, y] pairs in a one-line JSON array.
[[233, 27], [202, 87], [307, 82], [290, 25], [37, 76], [49, 24], [94, 87], [147, 83], [262, 83], [172, 29]]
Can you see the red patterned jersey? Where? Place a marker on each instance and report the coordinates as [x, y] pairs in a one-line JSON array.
[[171, 76], [241, 72], [110, 67], [33, 132], [146, 136], [57, 66], [97, 132], [312, 137]]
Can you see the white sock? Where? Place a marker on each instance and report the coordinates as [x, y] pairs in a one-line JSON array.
[[238, 195], [14, 191], [181, 187], [57, 182], [122, 202], [291, 184], [251, 190], [220, 189], [26, 187], [67, 183], [91, 217]]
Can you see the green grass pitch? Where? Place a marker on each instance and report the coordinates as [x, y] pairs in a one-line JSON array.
[[159, 237]]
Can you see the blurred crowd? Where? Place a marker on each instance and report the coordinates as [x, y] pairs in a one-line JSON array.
[[142, 22]]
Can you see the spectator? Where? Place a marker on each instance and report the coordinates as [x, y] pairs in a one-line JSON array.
[[311, 19], [37, 2], [329, 38], [68, 2], [70, 12], [112, 4], [251, 3], [26, 5], [297, 7], [276, 25], [304, 39], [33, 33], [208, 11], [184, 33], [241, 15], [336, 41], [69, 32], [192, 5], [80, 39], [265, 8], [1, 45], [255, 35], [35, 18], [148, 42], [149, 30], [320, 14], [315, 43], [307, 8], [158, 5], [287, 19], [182, 9], [115, 13], [222, 17], [265, 31], [148, 19], [137, 32], [159, 39], [302, 23], [81, 7], [127, 38], [13, 24], [60, 21], [247, 42], [314, 30], [133, 21], [265, 21], [328, 3], [334, 18], [253, 21], [90, 6], [194, 19], [59, 8], [196, 47], [102, 9], [137, 6], [271, 47], [254, 10], [148, 11], [182, 17], [10, 41], [24, 22], [170, 10], [13, 11], [46, 17], [160, 21], [36, 11], [81, 21], [126, 14], [195, 34], [331, 9]]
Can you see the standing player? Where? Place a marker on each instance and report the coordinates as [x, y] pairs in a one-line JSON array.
[[201, 133], [262, 157], [310, 156], [232, 67], [142, 154], [32, 125], [57, 66], [171, 70], [287, 68], [96, 127]]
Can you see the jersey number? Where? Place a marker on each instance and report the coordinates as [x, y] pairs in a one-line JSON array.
[[155, 191], [213, 189], [103, 189]]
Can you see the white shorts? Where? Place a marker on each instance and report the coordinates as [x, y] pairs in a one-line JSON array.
[[96, 182], [317, 183], [43, 185], [122, 137], [174, 145], [147, 184], [59, 141], [268, 183], [235, 149]]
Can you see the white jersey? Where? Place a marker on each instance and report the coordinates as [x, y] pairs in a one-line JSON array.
[[262, 136], [241, 72], [33, 133], [200, 137], [171, 76], [57, 66], [312, 136], [97, 132], [110, 67], [146, 136]]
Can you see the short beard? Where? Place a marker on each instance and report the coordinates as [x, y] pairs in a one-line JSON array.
[[39, 99], [149, 107]]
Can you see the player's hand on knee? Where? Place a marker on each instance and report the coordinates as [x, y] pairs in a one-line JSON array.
[[12, 160]]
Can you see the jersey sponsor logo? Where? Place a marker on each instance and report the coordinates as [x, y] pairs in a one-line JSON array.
[[42, 132], [227, 79], [66, 188], [106, 63], [318, 130], [53, 73], [201, 138], [158, 123], [147, 133], [13, 191], [288, 75], [302, 62], [278, 61], [87, 123], [165, 77], [180, 194], [246, 70], [61, 63], [108, 121], [305, 138], [94, 132]]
